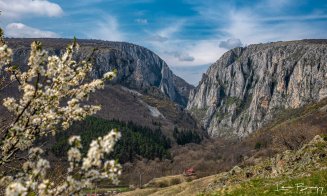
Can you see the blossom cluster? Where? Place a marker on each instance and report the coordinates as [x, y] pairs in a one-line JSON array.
[[52, 94], [53, 91], [92, 167], [5, 53]]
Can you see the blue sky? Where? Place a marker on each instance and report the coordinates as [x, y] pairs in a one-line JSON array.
[[188, 34]]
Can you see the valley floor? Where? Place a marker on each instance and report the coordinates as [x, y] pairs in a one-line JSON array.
[[289, 173]]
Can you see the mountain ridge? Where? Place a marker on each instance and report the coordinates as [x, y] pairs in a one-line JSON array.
[[242, 90], [145, 90], [139, 65]]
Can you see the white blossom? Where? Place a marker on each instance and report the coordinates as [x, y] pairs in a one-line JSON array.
[[16, 189], [45, 105], [75, 140], [110, 75], [52, 93], [5, 55], [74, 154]]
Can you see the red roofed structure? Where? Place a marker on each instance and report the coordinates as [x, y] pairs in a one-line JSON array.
[[189, 172]]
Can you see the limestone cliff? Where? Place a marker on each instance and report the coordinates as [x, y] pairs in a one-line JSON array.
[[246, 87], [138, 68]]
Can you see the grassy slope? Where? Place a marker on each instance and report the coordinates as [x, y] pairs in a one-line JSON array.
[[251, 188], [269, 186], [185, 188], [311, 174], [290, 131]]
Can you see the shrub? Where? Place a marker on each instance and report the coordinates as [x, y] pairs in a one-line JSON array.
[[175, 181], [324, 137], [258, 145], [162, 184]]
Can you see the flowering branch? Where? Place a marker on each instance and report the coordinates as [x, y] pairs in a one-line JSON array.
[[90, 168], [52, 94], [44, 106]]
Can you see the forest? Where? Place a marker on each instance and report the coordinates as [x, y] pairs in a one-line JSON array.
[[135, 141]]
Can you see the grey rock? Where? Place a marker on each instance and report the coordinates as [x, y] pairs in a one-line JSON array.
[[236, 170], [246, 87], [138, 68]]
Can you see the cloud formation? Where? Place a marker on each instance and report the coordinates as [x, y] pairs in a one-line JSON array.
[[142, 21], [252, 28], [166, 33], [13, 9], [20, 30], [158, 38], [230, 43], [184, 56], [263, 21], [107, 29], [178, 52]]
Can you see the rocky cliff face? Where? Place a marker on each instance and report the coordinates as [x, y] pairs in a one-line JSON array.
[[138, 68], [247, 86]]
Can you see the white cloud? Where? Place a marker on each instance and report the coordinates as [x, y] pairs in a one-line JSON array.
[[108, 29], [183, 53], [13, 9], [158, 38], [180, 55], [204, 52], [252, 28], [183, 56], [264, 21], [171, 29], [166, 33], [188, 53], [142, 21], [230, 43], [23, 31]]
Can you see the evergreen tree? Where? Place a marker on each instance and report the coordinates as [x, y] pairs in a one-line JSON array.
[[136, 140]]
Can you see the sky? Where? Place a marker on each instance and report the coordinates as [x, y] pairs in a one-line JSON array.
[[189, 35]]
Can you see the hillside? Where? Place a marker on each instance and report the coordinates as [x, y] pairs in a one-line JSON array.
[[145, 90], [271, 96], [290, 172], [136, 140], [145, 93], [246, 88], [290, 131]]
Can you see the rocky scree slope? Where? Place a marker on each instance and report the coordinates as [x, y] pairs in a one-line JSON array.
[[246, 87], [138, 68]]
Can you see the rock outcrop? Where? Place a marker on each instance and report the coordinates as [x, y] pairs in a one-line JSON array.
[[248, 86], [311, 157], [138, 68]]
